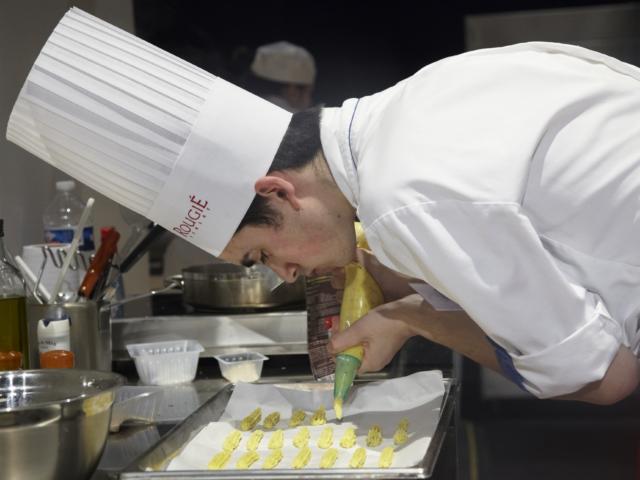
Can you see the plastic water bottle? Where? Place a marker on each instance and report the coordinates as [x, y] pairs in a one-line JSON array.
[[62, 216]]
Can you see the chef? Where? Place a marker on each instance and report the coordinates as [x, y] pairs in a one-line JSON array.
[[504, 181]]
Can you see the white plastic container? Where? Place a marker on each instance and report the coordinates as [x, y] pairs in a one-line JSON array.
[[241, 367], [166, 363]]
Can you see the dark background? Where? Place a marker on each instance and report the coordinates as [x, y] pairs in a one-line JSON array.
[[359, 47]]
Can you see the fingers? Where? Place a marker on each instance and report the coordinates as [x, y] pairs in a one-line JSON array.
[[363, 256], [365, 367], [335, 325], [340, 341], [349, 337]]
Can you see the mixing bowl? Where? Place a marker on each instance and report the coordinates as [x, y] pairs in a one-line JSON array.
[[54, 423]]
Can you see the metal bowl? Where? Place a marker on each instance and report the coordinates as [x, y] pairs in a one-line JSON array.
[[54, 423]]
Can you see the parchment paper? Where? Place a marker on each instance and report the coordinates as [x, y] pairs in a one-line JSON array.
[[417, 397]]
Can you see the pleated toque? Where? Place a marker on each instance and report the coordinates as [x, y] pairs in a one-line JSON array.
[[152, 132]]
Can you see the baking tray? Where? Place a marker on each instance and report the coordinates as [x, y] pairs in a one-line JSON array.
[[152, 463]]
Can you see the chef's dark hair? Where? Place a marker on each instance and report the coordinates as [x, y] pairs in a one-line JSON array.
[[299, 146]]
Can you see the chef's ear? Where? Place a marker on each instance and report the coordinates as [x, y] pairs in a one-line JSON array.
[[277, 189]]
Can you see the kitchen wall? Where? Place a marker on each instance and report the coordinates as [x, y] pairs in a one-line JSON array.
[[27, 183], [611, 29]]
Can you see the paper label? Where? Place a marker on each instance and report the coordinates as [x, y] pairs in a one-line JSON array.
[[65, 235]]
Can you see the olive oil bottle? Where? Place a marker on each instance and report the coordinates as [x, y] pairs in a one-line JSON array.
[[14, 345]]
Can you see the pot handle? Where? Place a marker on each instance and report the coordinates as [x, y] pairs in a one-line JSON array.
[[171, 286]]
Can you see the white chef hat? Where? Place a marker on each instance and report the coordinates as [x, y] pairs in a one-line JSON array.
[[147, 129], [284, 62]]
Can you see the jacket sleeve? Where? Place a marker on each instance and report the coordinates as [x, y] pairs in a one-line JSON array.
[[488, 258]]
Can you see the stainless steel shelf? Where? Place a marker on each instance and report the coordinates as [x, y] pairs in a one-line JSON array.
[[269, 333]]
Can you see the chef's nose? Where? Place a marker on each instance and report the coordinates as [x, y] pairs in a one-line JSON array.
[[288, 272]]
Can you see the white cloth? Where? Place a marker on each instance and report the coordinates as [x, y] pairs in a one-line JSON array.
[[509, 180]]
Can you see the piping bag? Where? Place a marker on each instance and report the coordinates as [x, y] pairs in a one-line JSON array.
[[361, 294]]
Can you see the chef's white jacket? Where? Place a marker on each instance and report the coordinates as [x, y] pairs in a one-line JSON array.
[[509, 180]]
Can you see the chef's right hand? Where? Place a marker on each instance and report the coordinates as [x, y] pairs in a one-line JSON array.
[[382, 332], [394, 285]]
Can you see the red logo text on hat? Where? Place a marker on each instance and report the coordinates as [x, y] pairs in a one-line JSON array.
[[190, 223]]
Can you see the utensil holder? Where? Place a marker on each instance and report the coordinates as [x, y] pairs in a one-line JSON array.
[[90, 333]]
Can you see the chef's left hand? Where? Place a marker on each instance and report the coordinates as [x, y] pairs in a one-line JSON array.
[[382, 332]]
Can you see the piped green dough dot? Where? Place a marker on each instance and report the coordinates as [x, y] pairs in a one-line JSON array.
[[232, 441], [386, 458], [272, 460], [329, 458], [302, 458], [254, 440], [219, 460], [277, 440], [301, 438], [400, 437], [246, 460], [358, 458], [348, 439]]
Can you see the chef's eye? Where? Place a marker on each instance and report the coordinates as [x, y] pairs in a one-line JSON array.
[[264, 257]]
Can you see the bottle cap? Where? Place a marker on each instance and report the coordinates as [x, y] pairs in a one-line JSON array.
[[104, 231], [65, 185], [56, 326]]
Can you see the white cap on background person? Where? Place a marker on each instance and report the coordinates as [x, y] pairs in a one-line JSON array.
[[148, 130], [284, 62]]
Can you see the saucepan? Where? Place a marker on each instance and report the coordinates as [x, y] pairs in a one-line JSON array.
[[224, 285]]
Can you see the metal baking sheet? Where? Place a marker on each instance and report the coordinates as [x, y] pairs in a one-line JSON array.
[[152, 463]]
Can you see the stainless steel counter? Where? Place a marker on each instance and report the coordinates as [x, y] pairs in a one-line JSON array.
[[281, 335], [133, 440], [178, 403]]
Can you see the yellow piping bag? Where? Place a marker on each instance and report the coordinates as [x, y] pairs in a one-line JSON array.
[[361, 294]]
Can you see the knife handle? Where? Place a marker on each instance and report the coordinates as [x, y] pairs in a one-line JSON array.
[[101, 261]]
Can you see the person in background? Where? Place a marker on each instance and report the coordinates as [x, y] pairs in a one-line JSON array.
[[284, 74]]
